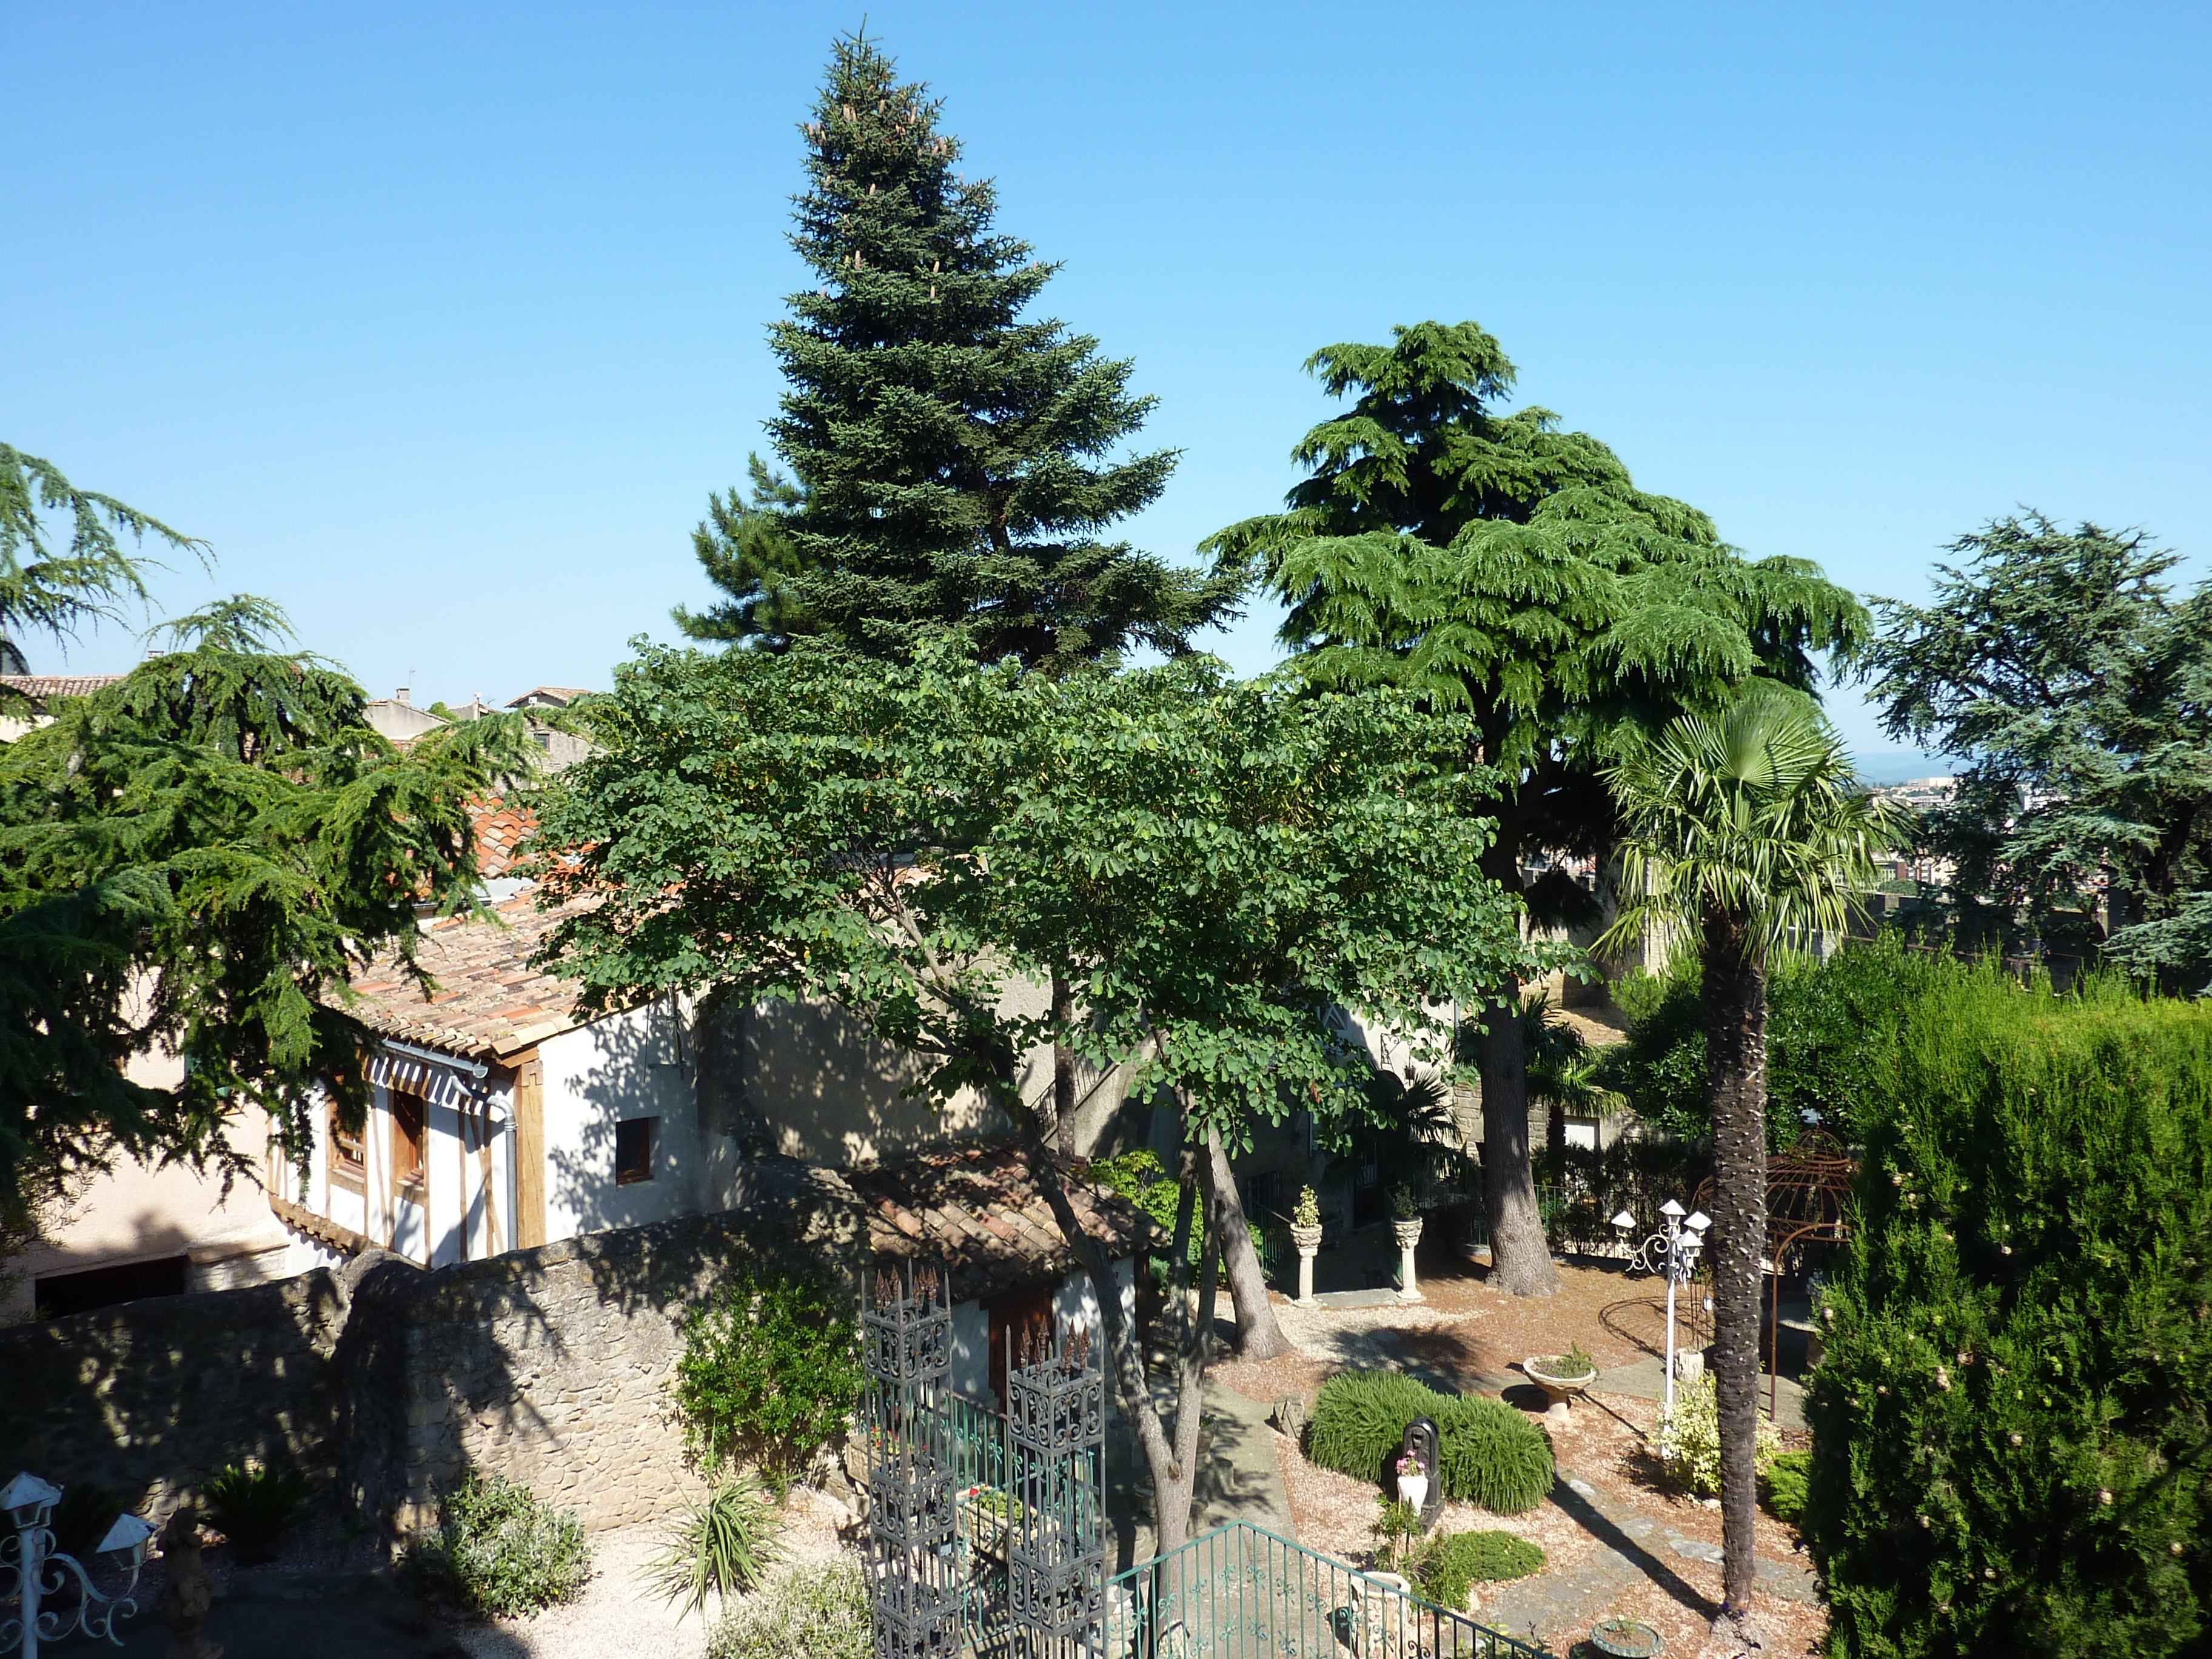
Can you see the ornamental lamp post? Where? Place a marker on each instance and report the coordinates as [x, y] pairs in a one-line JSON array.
[[1680, 1238], [37, 1568]]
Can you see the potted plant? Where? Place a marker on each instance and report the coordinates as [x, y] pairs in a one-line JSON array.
[[1561, 1375], [1306, 1234], [1412, 1482]]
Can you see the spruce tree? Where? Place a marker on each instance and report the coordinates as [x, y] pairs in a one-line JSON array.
[[954, 460]]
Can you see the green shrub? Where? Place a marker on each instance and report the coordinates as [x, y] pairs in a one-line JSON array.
[[1452, 1565], [253, 1505], [1492, 1456], [2009, 1442], [1689, 1439], [499, 1551], [1782, 1485], [721, 1545], [814, 1613], [770, 1368], [1359, 1421], [1488, 1452]]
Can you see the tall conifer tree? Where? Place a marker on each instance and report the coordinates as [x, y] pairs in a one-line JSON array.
[[954, 462]]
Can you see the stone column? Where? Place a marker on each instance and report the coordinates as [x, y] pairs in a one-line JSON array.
[[1308, 1240], [1408, 1234]]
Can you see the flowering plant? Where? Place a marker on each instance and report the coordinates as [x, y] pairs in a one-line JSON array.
[[1409, 1464]]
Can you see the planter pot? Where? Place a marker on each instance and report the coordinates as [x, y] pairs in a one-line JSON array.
[[1559, 1390], [1408, 1233], [1626, 1638], [1414, 1490]]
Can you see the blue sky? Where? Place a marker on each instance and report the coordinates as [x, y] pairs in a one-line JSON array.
[[441, 322]]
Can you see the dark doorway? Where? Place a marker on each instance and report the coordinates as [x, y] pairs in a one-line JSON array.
[[56, 1296], [1019, 1320]]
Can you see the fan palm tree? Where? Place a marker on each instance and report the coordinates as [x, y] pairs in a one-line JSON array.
[[1746, 831], [1564, 1073]]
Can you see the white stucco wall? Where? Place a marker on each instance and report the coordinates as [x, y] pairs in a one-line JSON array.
[[627, 1065]]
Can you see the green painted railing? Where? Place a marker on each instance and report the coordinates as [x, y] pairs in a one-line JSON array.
[[1242, 1592]]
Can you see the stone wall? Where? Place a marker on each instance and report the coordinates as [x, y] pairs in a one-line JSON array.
[[151, 1398], [547, 1365]]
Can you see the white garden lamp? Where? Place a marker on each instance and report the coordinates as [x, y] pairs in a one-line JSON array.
[[1680, 1238], [38, 1569]]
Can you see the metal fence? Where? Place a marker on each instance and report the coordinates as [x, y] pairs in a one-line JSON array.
[[1242, 1592]]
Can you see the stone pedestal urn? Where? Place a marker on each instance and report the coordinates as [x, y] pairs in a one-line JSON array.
[[1408, 1234], [1308, 1240]]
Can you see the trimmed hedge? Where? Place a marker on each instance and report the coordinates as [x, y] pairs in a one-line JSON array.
[[1489, 1453], [2010, 1423]]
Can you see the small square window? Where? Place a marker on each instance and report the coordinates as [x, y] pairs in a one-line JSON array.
[[634, 1150]]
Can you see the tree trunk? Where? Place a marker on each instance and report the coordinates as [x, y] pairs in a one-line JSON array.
[[1258, 1335], [1520, 1258], [1735, 1011], [1173, 1465], [1175, 1487], [1063, 1064]]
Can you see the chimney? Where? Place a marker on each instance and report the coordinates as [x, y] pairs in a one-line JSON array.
[[402, 693]]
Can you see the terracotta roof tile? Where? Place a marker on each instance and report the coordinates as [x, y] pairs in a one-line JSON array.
[[39, 687]]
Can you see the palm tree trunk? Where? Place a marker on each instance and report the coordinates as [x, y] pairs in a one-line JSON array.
[[1520, 1257], [1734, 1011]]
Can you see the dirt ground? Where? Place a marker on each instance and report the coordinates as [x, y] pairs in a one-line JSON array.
[[1476, 1337]]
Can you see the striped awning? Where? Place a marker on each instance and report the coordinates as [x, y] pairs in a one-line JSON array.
[[441, 1085]]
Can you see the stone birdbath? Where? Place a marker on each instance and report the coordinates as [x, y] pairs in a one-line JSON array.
[[1561, 1376]]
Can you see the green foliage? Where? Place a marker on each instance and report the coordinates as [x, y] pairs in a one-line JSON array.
[[253, 1505], [1394, 1529], [1454, 1563], [746, 552], [721, 1545], [1492, 1455], [501, 1553], [1489, 1453], [1575, 1362], [1689, 1440], [771, 1369], [1212, 865], [1832, 1030], [1359, 1421], [1308, 1212], [57, 590], [1784, 1483], [954, 461], [194, 860], [2058, 667], [819, 1612], [2009, 1425]]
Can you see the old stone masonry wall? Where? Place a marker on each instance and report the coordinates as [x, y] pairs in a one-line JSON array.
[[547, 1365]]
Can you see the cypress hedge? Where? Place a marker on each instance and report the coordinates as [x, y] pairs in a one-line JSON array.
[[2010, 1424]]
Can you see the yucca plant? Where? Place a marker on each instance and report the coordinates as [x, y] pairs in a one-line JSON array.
[[723, 1545], [252, 1505]]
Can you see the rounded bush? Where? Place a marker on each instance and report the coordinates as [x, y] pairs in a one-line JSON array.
[[1782, 1485], [501, 1552], [1359, 1421], [1492, 1456], [814, 1613]]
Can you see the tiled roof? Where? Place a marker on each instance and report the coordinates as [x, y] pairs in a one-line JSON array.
[[39, 687], [490, 1003], [975, 1210], [500, 830], [560, 695]]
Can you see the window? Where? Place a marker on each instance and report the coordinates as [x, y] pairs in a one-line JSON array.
[[1263, 1194], [634, 1150], [409, 1116], [347, 1155]]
